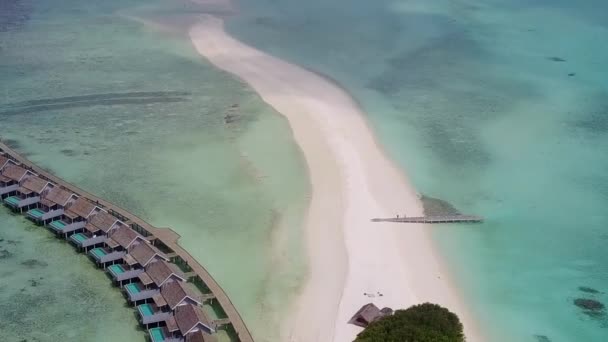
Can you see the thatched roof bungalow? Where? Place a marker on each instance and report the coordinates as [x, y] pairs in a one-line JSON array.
[[10, 178], [52, 205], [30, 192], [97, 229], [191, 319], [74, 218], [178, 293], [367, 314]]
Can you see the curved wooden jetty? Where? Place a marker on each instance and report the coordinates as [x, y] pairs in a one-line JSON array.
[[432, 219], [166, 235]]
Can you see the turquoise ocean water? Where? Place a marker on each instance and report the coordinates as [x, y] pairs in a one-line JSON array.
[[499, 107]]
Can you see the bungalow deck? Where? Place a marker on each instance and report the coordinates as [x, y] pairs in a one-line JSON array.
[[40, 216], [161, 334], [136, 292], [61, 227], [103, 256], [151, 314], [122, 272], [85, 240], [19, 202]]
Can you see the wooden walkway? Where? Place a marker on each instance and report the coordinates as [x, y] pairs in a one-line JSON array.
[[166, 235], [432, 219]]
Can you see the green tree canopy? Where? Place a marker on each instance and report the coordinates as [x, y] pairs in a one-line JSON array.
[[420, 323]]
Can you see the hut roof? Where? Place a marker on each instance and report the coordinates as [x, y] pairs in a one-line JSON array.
[[14, 172], [35, 184], [200, 336], [128, 259], [4, 179], [111, 243], [59, 196], [189, 317], [145, 252], [91, 228], [46, 202], [24, 191], [161, 271], [3, 161], [82, 208], [104, 221], [159, 300], [176, 291], [171, 324], [145, 279], [367, 314], [124, 236]]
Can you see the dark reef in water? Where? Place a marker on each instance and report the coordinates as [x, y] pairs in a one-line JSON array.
[[589, 304], [68, 152], [435, 206], [556, 59], [591, 307], [5, 254], [542, 338], [588, 289], [34, 263]]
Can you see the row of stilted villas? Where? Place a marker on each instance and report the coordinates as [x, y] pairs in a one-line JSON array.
[[167, 305], [155, 286]]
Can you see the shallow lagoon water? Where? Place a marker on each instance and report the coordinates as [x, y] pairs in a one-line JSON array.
[[132, 113]]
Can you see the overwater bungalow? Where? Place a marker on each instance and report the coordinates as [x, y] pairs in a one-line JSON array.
[[162, 275], [155, 261], [52, 205], [179, 293], [97, 230], [188, 323], [116, 246], [28, 194], [134, 263], [10, 177], [74, 217]]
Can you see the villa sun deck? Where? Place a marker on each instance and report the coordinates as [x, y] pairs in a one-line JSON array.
[[87, 239], [63, 226], [149, 313], [45, 212], [103, 255], [29, 194], [137, 292], [161, 334], [122, 272]]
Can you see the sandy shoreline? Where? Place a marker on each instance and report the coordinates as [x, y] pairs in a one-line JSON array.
[[352, 182]]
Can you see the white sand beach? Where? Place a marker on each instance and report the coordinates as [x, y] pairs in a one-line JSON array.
[[352, 182]]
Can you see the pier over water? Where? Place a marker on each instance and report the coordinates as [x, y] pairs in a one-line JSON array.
[[433, 219], [164, 237]]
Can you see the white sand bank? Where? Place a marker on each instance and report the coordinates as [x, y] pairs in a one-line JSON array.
[[352, 182]]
